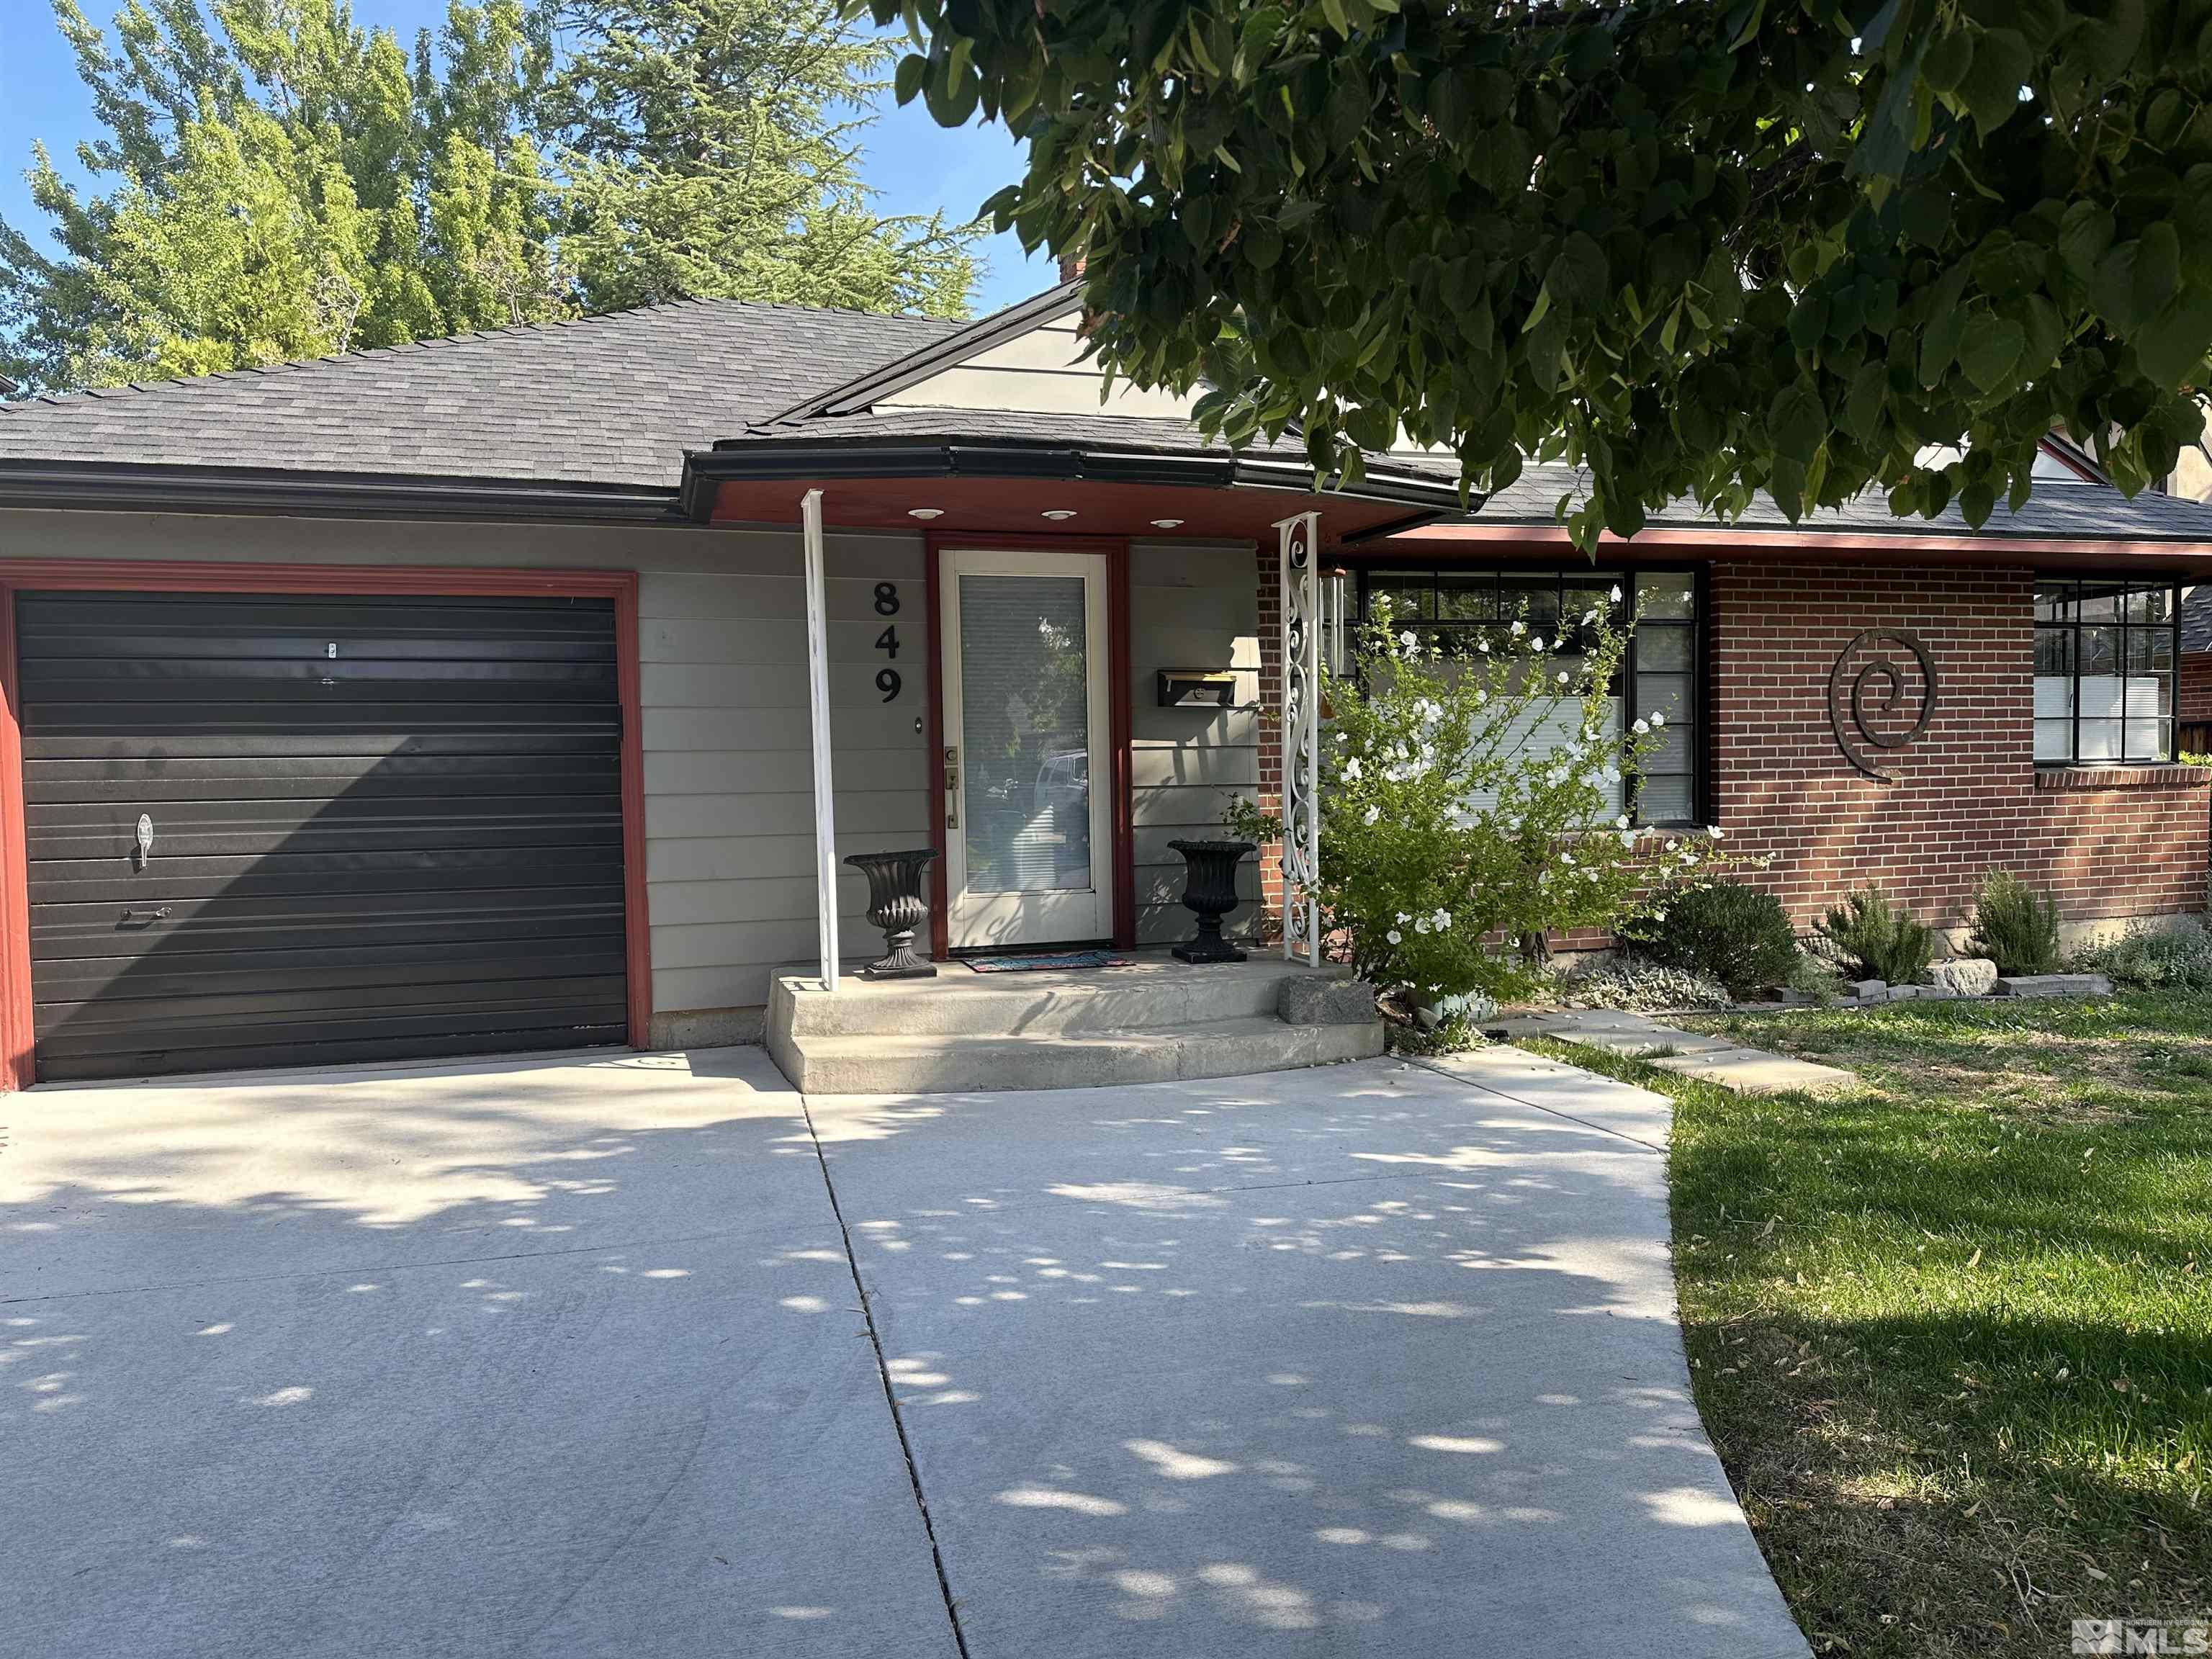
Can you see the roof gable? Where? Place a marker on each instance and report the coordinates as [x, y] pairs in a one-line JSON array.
[[1029, 359]]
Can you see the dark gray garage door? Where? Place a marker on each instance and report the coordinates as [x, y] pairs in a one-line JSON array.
[[380, 828]]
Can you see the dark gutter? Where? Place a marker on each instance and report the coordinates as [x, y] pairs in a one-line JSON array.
[[131, 487], [768, 460]]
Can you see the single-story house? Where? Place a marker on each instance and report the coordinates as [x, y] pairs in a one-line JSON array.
[[458, 697]]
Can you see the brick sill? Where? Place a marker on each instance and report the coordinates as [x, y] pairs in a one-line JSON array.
[[2123, 777]]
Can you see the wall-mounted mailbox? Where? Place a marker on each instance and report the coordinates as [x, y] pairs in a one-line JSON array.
[[1197, 688]]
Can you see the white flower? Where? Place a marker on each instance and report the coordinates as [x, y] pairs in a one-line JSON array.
[[1371, 815], [1483, 645], [1616, 593], [1672, 845], [1562, 680], [1403, 918], [1394, 937], [1716, 832], [1536, 644], [1480, 697], [1408, 639], [1351, 770], [1657, 721], [1519, 628], [1344, 737], [1442, 919], [1421, 924], [1641, 727], [1622, 823], [1628, 839], [1567, 859]]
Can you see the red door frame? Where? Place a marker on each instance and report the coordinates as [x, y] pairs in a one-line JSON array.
[[17, 1060], [1120, 735]]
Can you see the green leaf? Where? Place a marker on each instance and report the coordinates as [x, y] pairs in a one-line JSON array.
[[1870, 396], [2113, 287], [2172, 346], [2158, 267], [2085, 233], [1989, 347], [1939, 342], [1945, 64], [1579, 273], [912, 68], [1797, 423], [1990, 87]]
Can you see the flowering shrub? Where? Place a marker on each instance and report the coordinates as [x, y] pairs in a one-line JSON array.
[[1472, 799]]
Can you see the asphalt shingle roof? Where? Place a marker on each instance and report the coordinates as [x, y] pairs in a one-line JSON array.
[[617, 400], [2197, 618], [610, 400], [2058, 509]]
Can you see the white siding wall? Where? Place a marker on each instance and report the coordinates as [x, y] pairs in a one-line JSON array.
[[722, 647], [1043, 371], [1190, 607], [729, 812]]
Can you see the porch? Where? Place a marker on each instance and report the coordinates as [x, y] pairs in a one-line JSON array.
[[1145, 1018]]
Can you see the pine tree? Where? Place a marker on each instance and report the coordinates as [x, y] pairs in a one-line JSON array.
[[285, 185], [710, 147], [273, 182]]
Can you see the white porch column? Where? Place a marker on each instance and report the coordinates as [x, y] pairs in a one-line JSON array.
[[817, 706], [1301, 737]]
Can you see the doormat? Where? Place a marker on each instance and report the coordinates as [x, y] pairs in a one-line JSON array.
[[1031, 964]]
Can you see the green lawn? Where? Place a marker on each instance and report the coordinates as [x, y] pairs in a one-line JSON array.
[[1952, 1332]]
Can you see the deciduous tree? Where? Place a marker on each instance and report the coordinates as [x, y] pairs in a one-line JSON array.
[[1699, 248]]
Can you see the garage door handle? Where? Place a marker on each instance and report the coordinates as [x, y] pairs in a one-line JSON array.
[[130, 914]]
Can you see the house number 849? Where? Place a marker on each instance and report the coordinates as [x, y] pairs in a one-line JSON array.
[[887, 604]]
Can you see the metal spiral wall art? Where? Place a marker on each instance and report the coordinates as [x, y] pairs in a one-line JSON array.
[[1852, 697]]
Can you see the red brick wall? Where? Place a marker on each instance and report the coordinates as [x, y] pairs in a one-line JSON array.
[[2197, 687], [1968, 796]]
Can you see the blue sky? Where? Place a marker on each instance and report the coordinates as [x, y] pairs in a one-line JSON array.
[[915, 164]]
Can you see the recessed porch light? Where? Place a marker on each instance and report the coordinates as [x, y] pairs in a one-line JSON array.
[[925, 513], [1166, 524], [1056, 513]]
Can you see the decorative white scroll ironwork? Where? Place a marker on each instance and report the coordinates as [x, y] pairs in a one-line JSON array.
[[1301, 754]]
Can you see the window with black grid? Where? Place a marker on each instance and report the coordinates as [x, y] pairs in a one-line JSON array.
[[2106, 649], [1660, 675]]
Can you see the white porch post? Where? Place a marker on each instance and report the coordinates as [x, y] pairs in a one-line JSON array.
[[817, 705], [1301, 755]]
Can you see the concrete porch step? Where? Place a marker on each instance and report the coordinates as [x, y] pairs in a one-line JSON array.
[[1150, 992], [876, 1063]]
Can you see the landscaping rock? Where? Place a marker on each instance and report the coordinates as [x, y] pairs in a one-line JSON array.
[[1316, 1001], [2056, 985], [1921, 994], [1968, 976], [1866, 990]]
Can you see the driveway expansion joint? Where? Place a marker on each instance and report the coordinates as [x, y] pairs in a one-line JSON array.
[[891, 1395]]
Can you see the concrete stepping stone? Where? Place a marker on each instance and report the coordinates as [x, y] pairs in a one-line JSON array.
[[1714, 1059]]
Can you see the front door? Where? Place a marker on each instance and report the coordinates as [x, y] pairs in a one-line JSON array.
[[1027, 801]]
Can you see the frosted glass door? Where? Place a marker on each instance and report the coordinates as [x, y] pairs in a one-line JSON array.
[[1023, 706]]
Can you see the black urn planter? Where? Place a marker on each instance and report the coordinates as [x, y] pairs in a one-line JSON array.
[[896, 904], [1210, 892]]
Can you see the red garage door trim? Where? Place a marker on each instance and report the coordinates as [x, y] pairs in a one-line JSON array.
[[125, 575]]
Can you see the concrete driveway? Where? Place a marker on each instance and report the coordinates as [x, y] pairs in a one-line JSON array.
[[570, 1358]]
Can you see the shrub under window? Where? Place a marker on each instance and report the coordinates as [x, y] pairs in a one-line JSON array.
[[1454, 608]]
